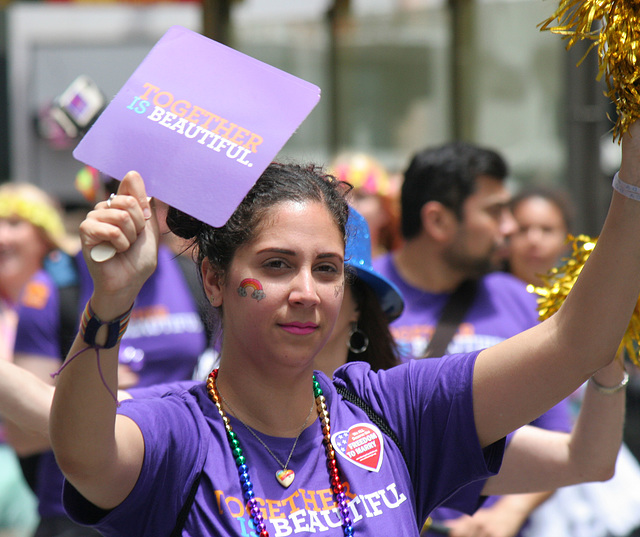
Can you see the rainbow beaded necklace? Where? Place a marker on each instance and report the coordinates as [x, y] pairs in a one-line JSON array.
[[243, 470]]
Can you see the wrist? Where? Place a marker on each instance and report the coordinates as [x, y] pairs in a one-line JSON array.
[[99, 333], [628, 190], [609, 388], [110, 306]]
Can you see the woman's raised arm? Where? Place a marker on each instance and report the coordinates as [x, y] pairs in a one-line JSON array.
[[518, 379], [537, 459], [99, 453]]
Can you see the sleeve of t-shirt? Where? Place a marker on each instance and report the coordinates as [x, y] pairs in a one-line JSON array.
[[175, 441], [430, 404], [469, 498], [39, 319]]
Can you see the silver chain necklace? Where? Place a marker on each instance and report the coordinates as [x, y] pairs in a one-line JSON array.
[[285, 476]]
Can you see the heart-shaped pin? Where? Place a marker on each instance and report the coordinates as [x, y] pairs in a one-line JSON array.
[[285, 477], [361, 445]]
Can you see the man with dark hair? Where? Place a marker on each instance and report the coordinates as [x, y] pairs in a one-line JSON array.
[[455, 221]]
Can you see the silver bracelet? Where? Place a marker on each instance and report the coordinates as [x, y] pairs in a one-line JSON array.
[[627, 190], [610, 390]]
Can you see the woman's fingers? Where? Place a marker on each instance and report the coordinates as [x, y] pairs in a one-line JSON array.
[[114, 225]]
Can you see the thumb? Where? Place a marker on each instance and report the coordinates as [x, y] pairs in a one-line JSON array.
[[133, 185]]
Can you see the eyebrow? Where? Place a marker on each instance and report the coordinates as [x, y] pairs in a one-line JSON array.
[[498, 205], [292, 253]]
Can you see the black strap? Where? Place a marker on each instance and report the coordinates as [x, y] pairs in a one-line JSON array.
[[69, 297], [378, 420], [186, 508], [65, 275], [450, 318]]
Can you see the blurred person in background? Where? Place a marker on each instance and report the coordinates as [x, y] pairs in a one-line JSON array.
[[31, 233], [544, 218], [373, 196], [455, 220]]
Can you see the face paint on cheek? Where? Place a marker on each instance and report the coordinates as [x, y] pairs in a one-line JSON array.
[[251, 285], [338, 290]]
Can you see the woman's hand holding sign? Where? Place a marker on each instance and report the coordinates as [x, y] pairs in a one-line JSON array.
[[125, 224]]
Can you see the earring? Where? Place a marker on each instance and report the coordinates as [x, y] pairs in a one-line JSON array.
[[358, 341]]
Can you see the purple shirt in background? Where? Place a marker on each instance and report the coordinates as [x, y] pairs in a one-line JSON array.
[[429, 402], [502, 308]]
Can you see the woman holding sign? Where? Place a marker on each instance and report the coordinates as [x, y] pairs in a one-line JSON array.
[[131, 469]]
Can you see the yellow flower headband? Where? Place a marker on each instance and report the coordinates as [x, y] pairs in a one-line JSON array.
[[38, 213], [559, 281]]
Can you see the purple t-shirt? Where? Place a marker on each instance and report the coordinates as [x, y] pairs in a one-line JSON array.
[[163, 341], [501, 309], [428, 402]]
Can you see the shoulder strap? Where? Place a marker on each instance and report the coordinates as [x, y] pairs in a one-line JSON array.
[[188, 268], [69, 297], [181, 520], [376, 418], [451, 317], [186, 508]]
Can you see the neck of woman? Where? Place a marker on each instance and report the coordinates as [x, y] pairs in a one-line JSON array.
[[266, 401]]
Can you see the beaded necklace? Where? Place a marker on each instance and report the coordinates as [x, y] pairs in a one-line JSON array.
[[243, 470]]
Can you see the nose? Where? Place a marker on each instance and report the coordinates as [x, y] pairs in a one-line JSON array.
[[534, 234], [508, 224], [304, 289]]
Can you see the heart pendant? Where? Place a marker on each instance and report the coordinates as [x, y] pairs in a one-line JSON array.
[[285, 477]]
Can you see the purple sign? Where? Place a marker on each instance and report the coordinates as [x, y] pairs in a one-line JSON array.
[[200, 122]]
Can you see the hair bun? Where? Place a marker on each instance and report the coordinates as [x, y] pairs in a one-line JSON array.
[[182, 224]]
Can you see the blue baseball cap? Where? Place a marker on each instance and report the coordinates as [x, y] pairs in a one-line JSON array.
[[358, 257]]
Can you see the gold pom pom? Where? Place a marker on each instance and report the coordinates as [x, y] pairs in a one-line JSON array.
[[559, 281], [614, 28]]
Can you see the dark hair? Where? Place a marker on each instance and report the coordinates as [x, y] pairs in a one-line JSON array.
[[558, 198], [278, 183], [446, 174], [381, 353]]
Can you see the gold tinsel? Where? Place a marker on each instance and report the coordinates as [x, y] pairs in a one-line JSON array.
[[559, 281], [614, 28]]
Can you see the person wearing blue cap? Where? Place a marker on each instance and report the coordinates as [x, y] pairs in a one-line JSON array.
[[370, 303]]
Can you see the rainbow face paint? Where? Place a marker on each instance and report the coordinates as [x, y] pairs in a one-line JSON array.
[[253, 285]]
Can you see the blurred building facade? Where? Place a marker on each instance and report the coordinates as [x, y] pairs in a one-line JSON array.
[[396, 75]]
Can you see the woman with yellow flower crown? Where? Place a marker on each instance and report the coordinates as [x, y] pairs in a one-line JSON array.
[[31, 228]]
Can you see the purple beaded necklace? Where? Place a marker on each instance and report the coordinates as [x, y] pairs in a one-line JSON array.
[[243, 470]]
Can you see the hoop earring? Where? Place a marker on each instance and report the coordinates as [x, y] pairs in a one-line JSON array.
[[361, 339]]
